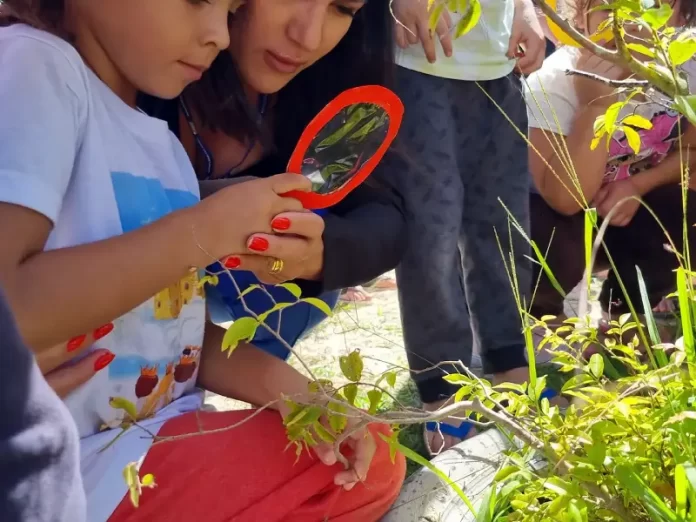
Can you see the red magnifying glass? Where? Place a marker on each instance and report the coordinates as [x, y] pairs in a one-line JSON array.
[[344, 143]]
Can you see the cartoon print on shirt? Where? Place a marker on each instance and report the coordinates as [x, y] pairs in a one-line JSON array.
[[163, 353], [655, 144]]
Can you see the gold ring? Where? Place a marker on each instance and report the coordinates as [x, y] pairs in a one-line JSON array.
[[277, 266]]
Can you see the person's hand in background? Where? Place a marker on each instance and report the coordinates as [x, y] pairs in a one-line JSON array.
[[66, 367], [528, 35], [611, 194], [411, 19]]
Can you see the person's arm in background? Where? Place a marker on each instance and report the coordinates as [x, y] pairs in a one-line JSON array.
[[39, 447], [667, 172], [550, 151]]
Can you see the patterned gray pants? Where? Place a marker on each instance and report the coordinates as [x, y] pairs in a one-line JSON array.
[[455, 156]]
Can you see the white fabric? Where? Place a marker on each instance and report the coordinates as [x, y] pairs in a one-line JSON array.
[[73, 151], [552, 104], [479, 55]]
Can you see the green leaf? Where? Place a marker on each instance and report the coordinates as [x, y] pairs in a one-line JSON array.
[[375, 397], [337, 417], [391, 378], [248, 290], [681, 490], [324, 434], [295, 290], [576, 381], [469, 20], [130, 475], [457, 378], [318, 303], [596, 365], [630, 480], [658, 17], [687, 106], [276, 308], [597, 452], [351, 366], [350, 391], [682, 50], [243, 329]]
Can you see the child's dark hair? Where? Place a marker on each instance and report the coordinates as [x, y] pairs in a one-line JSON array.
[[41, 14], [364, 56]]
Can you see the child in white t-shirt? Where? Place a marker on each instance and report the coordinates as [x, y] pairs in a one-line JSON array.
[[101, 224], [563, 106]]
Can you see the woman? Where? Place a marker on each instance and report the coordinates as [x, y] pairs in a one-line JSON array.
[[124, 201], [565, 107], [248, 131]]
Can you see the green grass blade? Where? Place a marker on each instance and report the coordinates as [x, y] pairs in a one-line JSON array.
[[660, 355], [686, 322], [590, 224]]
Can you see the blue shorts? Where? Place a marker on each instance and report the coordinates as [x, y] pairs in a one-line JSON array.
[[296, 321]]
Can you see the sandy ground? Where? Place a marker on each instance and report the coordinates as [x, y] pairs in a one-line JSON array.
[[374, 329]]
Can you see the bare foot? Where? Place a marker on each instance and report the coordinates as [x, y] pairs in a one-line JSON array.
[[355, 294]]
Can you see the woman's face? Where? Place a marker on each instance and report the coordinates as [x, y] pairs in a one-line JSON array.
[[272, 41]]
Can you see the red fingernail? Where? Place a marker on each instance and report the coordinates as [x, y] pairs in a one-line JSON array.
[[76, 342], [281, 223], [103, 331], [232, 262], [103, 361], [259, 244]]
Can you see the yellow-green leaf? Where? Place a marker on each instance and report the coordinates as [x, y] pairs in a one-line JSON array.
[[469, 20], [351, 392], [375, 397], [659, 16], [119, 403], [682, 50], [323, 433], [337, 417], [248, 290], [243, 329], [596, 365], [352, 366], [595, 142], [636, 120], [295, 290], [148, 481], [435, 15], [633, 139], [391, 378], [642, 49], [318, 303]]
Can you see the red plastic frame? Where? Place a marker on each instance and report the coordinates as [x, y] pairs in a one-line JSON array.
[[376, 94]]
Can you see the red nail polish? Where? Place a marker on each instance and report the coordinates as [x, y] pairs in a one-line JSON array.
[[103, 331], [259, 244], [232, 262], [281, 223], [103, 361], [76, 342]]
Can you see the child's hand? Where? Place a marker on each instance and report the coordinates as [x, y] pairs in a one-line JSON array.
[[223, 223], [66, 378], [528, 34], [294, 251], [596, 92], [611, 194], [411, 26]]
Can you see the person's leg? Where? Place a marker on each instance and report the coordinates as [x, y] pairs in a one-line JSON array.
[[643, 243], [245, 474], [560, 239], [493, 167], [423, 169]]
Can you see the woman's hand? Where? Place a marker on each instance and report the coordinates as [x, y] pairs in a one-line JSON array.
[[611, 194], [294, 251], [65, 378]]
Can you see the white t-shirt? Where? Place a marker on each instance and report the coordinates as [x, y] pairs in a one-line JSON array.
[[73, 151], [479, 55], [552, 103]]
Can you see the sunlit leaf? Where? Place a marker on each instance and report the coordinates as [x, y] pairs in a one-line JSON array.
[[350, 391], [242, 329], [659, 16], [682, 50], [295, 290], [375, 396], [318, 303], [633, 139], [469, 20], [351, 366]]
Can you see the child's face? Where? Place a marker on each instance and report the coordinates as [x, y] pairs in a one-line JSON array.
[[154, 46], [273, 40]]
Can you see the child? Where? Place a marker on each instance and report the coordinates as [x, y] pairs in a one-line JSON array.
[[461, 155], [100, 212], [565, 107]]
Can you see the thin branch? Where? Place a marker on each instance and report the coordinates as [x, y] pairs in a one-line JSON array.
[[612, 83]]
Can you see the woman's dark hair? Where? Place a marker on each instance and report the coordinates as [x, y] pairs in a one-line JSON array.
[[42, 14], [364, 56]]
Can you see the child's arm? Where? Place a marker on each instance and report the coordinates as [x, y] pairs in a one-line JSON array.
[[249, 374], [551, 154], [62, 293]]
